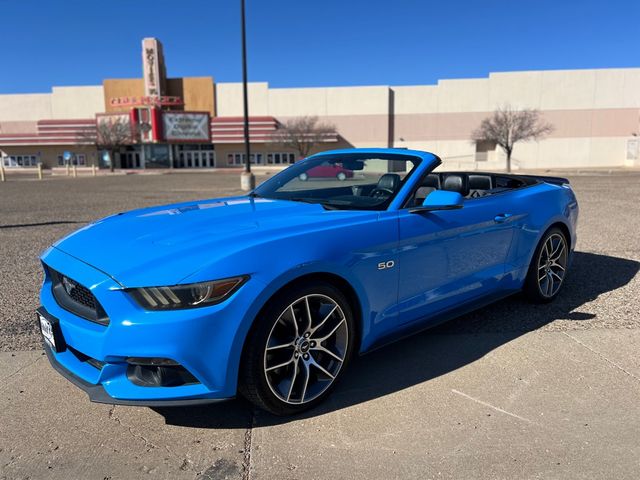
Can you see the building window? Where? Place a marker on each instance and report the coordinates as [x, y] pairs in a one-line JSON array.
[[280, 158], [79, 159], [483, 147], [21, 160], [238, 159]]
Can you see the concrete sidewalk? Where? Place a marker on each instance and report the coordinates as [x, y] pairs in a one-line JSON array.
[[491, 405]]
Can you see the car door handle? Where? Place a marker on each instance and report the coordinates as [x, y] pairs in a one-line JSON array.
[[502, 217]]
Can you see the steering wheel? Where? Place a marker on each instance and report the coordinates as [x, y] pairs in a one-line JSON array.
[[381, 192]]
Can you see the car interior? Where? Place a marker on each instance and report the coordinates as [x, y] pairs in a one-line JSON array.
[[469, 185], [376, 195], [369, 190]]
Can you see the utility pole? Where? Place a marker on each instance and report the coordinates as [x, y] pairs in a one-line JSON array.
[[247, 179]]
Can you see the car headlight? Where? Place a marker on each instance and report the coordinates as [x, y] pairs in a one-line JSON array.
[[186, 296]]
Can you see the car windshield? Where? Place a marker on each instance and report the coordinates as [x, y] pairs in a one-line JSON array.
[[351, 181]]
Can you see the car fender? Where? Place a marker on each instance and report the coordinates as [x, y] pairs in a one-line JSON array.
[[271, 287], [521, 271]]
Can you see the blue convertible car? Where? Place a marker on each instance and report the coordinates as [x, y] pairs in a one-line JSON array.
[[271, 294]]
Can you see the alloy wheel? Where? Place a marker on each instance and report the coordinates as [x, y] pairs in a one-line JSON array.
[[552, 264], [306, 349]]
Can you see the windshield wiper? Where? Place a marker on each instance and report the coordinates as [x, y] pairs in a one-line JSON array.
[[303, 199]]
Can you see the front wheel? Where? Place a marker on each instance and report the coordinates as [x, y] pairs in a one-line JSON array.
[[341, 176], [548, 267], [298, 349]]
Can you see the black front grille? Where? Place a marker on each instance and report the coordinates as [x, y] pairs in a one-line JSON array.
[[76, 298], [79, 293]]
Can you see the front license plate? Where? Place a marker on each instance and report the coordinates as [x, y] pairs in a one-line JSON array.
[[47, 331]]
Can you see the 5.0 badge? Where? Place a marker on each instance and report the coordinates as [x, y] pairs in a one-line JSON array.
[[386, 265]]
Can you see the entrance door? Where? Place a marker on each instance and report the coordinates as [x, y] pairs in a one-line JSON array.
[[195, 159], [130, 160]]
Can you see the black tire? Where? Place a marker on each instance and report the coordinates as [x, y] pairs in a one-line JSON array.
[[536, 290], [253, 383]]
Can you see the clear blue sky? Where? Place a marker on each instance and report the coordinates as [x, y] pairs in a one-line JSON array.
[[311, 42]]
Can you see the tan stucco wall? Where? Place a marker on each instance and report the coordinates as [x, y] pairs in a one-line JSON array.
[[121, 87], [197, 93]]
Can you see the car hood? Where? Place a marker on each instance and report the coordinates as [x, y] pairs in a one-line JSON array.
[[164, 245]]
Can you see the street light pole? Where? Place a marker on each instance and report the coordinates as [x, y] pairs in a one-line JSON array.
[[247, 179]]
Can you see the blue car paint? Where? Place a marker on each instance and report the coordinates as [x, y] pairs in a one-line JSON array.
[[444, 261], [449, 256]]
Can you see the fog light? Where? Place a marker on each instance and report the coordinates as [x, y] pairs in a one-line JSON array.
[[145, 374]]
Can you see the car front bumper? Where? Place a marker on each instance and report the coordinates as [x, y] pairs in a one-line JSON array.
[[206, 342], [98, 394]]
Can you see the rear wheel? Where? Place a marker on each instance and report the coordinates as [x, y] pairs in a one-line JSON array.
[[341, 176], [548, 267], [298, 350]]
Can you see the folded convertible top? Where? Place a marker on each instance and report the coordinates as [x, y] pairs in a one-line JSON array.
[[543, 178]]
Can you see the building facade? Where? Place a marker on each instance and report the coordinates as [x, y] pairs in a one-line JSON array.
[[197, 123]]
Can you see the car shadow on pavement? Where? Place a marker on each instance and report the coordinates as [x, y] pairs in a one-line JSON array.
[[437, 351]]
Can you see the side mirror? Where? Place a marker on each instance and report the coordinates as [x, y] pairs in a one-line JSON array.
[[440, 200]]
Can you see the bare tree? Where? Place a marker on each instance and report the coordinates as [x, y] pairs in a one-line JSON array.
[[507, 126], [112, 132], [302, 134]]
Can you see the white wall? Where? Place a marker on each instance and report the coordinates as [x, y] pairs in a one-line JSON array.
[[76, 102], [543, 90], [25, 107], [229, 100], [594, 111]]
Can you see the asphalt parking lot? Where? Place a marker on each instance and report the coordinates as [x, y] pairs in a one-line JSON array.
[[510, 391]]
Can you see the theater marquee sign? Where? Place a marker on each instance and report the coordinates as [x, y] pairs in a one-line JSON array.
[[186, 126], [162, 101]]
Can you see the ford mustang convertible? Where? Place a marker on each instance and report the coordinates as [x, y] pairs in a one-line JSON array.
[[270, 295]]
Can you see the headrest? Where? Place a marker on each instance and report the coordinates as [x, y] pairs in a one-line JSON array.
[[479, 182], [456, 183], [432, 181], [389, 181]]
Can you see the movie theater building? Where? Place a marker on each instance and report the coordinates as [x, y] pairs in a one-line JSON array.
[[194, 122]]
